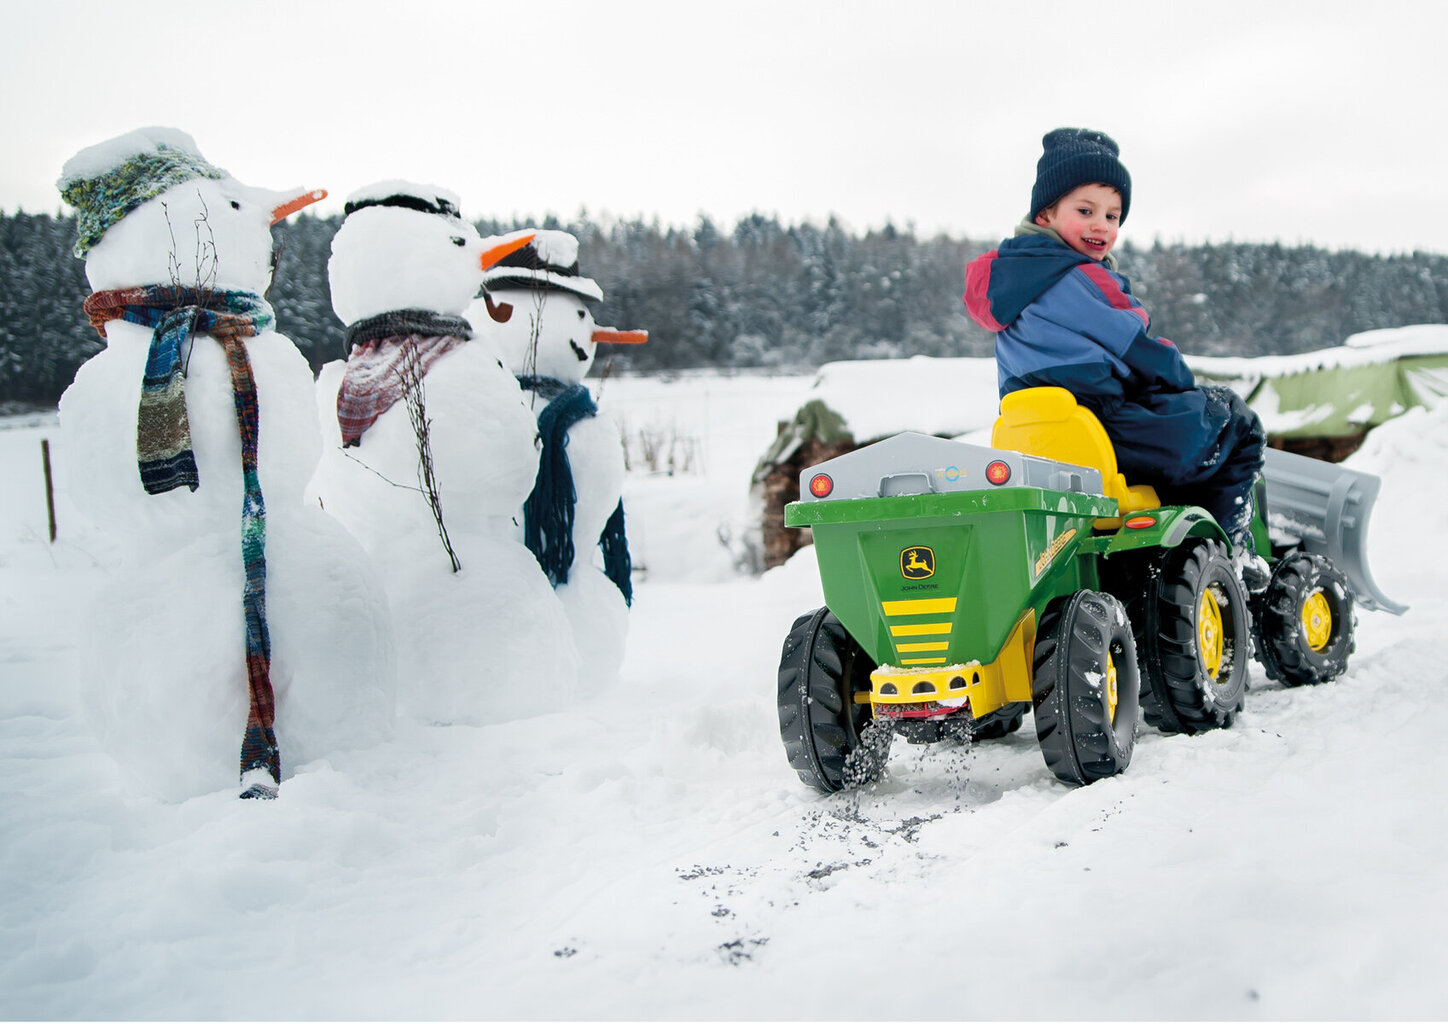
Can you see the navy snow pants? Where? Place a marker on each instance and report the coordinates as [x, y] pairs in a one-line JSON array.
[[1199, 447]]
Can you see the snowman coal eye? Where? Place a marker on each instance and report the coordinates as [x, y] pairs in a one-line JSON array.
[[581, 314], [458, 240], [235, 205]]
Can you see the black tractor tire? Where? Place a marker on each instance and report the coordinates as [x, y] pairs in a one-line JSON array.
[[1001, 722], [1304, 623], [1086, 687], [1194, 640], [831, 741]]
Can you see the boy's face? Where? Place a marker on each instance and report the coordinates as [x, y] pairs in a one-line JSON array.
[[1087, 218]]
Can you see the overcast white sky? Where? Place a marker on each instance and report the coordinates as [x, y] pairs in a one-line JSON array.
[[1317, 122]]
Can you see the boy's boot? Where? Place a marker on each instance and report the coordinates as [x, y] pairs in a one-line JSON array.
[[1252, 569]]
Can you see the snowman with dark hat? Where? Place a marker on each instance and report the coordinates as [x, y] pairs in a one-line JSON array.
[[191, 430], [574, 516], [430, 452]]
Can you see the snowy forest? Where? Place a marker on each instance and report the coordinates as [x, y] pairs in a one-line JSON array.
[[770, 295]]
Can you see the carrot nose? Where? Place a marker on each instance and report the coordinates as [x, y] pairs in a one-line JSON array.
[[609, 336], [497, 252], [291, 206]]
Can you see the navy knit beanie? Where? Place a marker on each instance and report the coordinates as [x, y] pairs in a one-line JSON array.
[[1078, 156]]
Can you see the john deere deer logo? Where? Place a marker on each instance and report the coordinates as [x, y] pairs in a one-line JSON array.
[[917, 563]]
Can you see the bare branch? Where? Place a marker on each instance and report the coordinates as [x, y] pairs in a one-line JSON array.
[[410, 371], [535, 330], [379, 475], [205, 261]]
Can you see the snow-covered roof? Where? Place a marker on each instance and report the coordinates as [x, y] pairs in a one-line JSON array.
[[1366, 349], [1371, 378]]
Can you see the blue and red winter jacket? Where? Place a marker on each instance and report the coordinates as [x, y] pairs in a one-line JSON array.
[[1062, 319]]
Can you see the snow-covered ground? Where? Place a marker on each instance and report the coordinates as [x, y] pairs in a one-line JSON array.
[[647, 853]]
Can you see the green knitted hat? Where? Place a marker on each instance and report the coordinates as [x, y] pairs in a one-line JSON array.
[[109, 180]]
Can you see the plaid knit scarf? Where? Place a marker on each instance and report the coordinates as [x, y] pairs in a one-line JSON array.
[[163, 446], [372, 382]]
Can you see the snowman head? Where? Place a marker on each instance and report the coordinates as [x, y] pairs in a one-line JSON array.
[[551, 331], [150, 210], [548, 334], [403, 246]]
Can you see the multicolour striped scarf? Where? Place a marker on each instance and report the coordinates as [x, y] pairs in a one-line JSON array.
[[163, 434], [163, 450], [377, 349]]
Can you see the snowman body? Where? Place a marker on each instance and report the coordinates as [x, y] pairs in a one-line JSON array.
[[483, 450], [489, 641], [163, 650], [548, 339], [596, 607]]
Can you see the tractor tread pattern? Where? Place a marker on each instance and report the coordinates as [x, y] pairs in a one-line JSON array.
[[829, 741], [1277, 622], [1074, 639], [1181, 698]]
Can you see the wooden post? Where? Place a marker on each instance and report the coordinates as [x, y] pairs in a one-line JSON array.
[[49, 486]]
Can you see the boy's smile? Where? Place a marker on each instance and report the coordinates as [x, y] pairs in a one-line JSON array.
[[1087, 219]]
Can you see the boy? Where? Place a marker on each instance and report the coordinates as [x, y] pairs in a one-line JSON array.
[[1063, 317]]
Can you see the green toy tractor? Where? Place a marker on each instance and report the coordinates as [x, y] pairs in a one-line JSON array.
[[966, 584]]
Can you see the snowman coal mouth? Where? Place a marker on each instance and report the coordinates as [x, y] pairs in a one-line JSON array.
[[578, 350]]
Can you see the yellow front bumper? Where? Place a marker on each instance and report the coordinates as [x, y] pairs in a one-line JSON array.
[[910, 692]]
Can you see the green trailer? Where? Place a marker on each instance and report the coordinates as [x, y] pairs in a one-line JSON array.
[[965, 585]]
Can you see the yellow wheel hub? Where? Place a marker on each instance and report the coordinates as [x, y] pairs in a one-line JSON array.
[[1210, 641], [1111, 695], [1317, 620]]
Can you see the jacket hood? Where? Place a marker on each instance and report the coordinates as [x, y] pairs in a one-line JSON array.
[[1029, 227], [1002, 283]]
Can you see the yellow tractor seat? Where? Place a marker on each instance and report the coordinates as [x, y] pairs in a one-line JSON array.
[[1048, 422]]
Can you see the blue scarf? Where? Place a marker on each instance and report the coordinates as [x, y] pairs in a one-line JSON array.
[[548, 512]]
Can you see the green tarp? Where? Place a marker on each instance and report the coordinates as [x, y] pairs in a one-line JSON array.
[[1338, 400]]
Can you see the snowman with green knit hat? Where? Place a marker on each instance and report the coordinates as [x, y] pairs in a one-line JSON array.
[[189, 440]]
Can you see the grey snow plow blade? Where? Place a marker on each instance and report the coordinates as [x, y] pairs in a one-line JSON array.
[[1325, 508]]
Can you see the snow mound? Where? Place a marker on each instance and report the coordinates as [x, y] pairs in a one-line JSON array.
[[879, 398]]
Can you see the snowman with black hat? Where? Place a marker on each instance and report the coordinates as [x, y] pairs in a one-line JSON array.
[[430, 452], [193, 427], [574, 517]]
